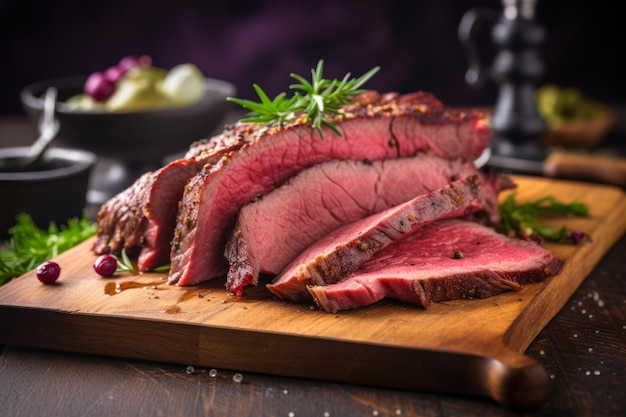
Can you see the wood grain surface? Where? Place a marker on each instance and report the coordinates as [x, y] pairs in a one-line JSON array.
[[469, 347]]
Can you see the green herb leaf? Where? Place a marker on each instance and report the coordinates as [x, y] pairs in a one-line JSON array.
[[163, 268], [29, 245], [124, 263], [314, 99], [522, 220]]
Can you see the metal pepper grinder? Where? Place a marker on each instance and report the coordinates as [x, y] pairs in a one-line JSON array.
[[515, 122]]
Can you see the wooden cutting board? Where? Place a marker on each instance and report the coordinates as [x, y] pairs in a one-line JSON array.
[[465, 347]]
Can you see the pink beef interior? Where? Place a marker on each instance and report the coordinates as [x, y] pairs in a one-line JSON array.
[[446, 260], [339, 253], [271, 156], [273, 230]]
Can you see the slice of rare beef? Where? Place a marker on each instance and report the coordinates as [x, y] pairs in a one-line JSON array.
[[446, 260], [142, 217], [271, 231], [341, 252], [375, 127], [160, 206]]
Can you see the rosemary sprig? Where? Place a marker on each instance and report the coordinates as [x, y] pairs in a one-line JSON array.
[[124, 263], [314, 99], [522, 220]]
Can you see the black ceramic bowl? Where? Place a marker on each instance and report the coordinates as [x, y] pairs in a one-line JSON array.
[[132, 142], [55, 192], [135, 135]]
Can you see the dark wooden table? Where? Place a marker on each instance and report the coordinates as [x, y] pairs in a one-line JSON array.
[[583, 349]]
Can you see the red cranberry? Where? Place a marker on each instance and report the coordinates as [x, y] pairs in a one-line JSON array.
[[48, 272], [105, 265]]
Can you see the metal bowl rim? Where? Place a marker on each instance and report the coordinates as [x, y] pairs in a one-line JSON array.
[[80, 161]]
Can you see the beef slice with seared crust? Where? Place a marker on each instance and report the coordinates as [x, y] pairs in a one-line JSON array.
[[375, 127], [275, 228], [446, 260], [341, 252]]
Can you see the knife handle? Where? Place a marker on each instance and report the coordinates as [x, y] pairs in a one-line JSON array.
[[606, 169]]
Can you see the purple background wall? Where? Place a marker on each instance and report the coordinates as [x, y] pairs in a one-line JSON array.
[[262, 41]]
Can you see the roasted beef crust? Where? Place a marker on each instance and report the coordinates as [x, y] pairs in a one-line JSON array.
[[447, 260], [121, 221]]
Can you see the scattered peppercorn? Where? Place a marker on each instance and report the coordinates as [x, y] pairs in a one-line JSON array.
[[458, 254]]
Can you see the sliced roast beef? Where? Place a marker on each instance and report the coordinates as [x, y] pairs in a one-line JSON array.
[[341, 252], [273, 230], [375, 127], [142, 217], [160, 206], [446, 260]]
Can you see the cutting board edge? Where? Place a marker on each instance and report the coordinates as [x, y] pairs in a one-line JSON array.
[[464, 373]]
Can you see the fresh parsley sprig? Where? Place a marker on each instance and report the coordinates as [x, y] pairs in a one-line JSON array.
[[29, 245], [522, 220], [315, 99]]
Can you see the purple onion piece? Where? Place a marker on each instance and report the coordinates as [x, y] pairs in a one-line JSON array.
[[131, 61], [99, 87], [113, 74]]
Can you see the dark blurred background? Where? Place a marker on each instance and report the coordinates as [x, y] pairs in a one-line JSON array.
[[262, 41]]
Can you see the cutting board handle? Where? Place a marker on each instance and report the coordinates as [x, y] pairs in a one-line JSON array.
[[511, 379], [605, 169], [522, 384]]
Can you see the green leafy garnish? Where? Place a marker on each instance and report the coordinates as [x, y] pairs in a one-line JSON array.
[[29, 245], [522, 220], [163, 268], [124, 263], [315, 100]]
